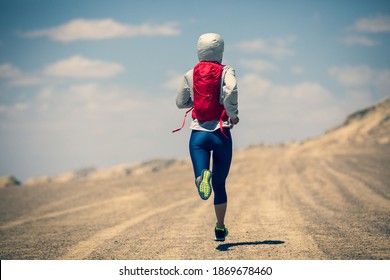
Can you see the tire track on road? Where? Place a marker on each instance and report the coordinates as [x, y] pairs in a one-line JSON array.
[[55, 214], [84, 248]]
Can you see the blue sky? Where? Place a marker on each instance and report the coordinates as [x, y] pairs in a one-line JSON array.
[[93, 83]]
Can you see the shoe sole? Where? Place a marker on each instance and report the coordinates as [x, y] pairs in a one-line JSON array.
[[204, 187]]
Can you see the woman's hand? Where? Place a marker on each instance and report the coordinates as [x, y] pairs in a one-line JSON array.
[[234, 121]]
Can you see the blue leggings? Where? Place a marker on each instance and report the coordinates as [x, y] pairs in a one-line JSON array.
[[202, 143]]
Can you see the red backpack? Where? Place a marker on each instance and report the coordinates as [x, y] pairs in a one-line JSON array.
[[206, 88]]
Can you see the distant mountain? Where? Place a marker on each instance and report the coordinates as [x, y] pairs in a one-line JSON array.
[[91, 174], [8, 181]]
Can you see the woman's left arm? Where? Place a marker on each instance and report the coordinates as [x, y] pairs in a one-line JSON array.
[[230, 94]]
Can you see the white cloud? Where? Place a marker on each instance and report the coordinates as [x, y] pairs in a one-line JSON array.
[[258, 65], [382, 82], [9, 71], [14, 108], [16, 77], [81, 67], [352, 75], [174, 81], [83, 29], [272, 112], [73, 67], [284, 99], [27, 80], [297, 70], [360, 40], [95, 101], [374, 24], [363, 78], [278, 48], [254, 86], [72, 126]]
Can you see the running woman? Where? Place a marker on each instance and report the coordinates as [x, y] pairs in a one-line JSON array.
[[210, 136]]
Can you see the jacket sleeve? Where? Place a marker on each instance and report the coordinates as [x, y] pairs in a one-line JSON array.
[[230, 93], [183, 96]]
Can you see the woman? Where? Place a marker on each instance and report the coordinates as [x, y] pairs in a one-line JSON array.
[[211, 90]]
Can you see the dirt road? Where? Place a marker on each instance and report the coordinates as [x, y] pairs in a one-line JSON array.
[[287, 203]]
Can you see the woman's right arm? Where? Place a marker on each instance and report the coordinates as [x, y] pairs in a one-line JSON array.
[[183, 96]]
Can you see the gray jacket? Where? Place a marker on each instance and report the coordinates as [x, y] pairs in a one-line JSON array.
[[210, 48]]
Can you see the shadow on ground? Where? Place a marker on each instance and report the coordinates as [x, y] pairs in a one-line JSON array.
[[227, 246]]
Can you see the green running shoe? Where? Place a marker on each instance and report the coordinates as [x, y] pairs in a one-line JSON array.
[[221, 233], [204, 185]]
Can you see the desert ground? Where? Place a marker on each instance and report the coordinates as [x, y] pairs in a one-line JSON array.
[[327, 198]]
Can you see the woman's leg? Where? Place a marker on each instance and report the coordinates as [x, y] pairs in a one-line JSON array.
[[201, 145], [199, 152], [220, 212], [222, 158]]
